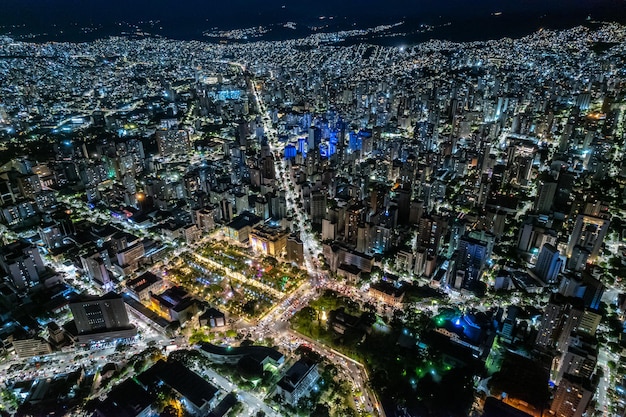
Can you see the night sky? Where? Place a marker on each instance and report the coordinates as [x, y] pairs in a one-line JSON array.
[[187, 19]]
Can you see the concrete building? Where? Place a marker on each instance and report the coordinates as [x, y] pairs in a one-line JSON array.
[[571, 399], [173, 142], [31, 346], [144, 285], [588, 234], [22, 263], [548, 264], [174, 304], [297, 381], [101, 318], [268, 240]]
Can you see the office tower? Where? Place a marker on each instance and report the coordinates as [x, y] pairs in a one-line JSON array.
[[548, 264], [571, 399], [22, 263], [472, 255], [508, 326], [545, 196], [430, 231], [585, 287], [587, 236], [98, 318], [549, 326], [329, 230], [589, 322], [314, 138], [318, 207]]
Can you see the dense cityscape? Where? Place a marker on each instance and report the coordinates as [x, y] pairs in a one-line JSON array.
[[314, 227]]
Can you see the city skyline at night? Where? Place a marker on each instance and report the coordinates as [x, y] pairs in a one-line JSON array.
[[353, 209]]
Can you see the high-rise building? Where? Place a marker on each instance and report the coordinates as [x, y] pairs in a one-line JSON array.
[[545, 196], [548, 264], [23, 264], [578, 360], [472, 255], [329, 230], [589, 322], [588, 234], [205, 219], [570, 320], [549, 326], [534, 234], [353, 218], [585, 287], [318, 207], [430, 231], [508, 326], [295, 249], [571, 399]]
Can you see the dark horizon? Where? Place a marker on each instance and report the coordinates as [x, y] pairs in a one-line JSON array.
[[62, 20]]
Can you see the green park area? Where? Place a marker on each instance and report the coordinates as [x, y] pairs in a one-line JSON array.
[[229, 279], [223, 292], [419, 375], [268, 271]]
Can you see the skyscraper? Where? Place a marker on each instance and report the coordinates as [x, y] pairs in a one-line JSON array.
[[472, 256], [545, 196], [549, 326], [548, 264], [431, 229], [588, 235]]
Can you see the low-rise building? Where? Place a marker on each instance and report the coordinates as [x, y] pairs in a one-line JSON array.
[[144, 285], [31, 346], [196, 394], [212, 318], [239, 229], [298, 381], [267, 240], [174, 304], [266, 356], [387, 292]]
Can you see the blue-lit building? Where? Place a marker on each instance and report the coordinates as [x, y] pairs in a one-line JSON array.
[[355, 142], [472, 257], [302, 146], [290, 151], [548, 264]]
